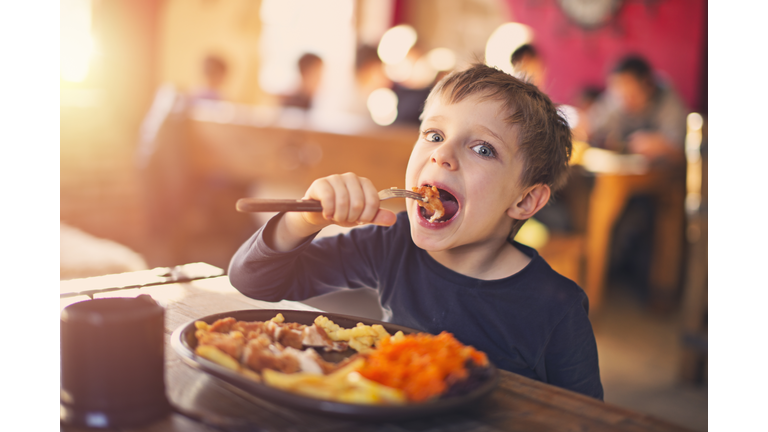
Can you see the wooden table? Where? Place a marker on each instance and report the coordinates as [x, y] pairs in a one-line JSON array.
[[517, 404]]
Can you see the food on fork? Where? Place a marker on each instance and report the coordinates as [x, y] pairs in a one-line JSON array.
[[384, 369], [433, 203]]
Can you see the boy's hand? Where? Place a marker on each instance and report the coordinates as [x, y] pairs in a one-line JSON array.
[[347, 200]]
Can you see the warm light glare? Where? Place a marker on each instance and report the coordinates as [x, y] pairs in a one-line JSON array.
[[76, 41], [533, 233], [503, 42], [293, 28], [396, 43], [442, 59], [398, 72], [570, 114], [693, 137], [423, 74], [382, 104], [695, 121], [693, 170]]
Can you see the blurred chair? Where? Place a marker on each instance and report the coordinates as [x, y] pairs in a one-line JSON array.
[[564, 248], [693, 365], [84, 255]]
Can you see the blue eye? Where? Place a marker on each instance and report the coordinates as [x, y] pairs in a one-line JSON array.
[[485, 150], [433, 137]]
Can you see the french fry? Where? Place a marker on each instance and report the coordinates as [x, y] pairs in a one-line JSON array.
[[381, 393], [217, 356], [343, 385]]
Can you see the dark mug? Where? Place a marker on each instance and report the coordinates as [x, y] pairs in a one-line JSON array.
[[112, 363]]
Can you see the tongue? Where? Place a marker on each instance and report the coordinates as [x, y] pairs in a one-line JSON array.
[[451, 207]]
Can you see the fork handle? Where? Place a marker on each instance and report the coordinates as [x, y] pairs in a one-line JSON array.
[[253, 205]]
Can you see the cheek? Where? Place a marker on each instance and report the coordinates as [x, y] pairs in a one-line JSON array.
[[415, 164], [491, 192]]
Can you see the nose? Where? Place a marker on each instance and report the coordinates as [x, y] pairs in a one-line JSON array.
[[445, 157]]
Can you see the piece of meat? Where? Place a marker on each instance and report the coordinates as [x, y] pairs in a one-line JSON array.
[[291, 338], [433, 204], [254, 327], [223, 325], [231, 343], [259, 357], [316, 336]]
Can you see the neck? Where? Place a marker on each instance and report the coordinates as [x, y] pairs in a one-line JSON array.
[[495, 259]]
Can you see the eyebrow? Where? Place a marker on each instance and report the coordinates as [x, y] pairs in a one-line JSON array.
[[434, 118], [493, 134]]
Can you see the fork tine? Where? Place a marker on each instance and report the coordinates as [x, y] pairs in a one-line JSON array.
[[399, 193]]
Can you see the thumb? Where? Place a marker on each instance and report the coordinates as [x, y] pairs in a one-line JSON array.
[[384, 217]]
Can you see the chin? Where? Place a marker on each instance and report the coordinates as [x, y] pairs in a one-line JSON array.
[[428, 236]]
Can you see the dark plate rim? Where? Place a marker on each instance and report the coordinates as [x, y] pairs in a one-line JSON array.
[[305, 403]]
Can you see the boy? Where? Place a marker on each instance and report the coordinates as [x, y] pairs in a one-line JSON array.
[[495, 147]]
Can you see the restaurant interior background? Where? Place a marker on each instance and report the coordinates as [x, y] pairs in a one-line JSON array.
[[153, 157]]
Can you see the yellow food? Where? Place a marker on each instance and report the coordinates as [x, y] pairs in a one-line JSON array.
[[361, 337], [344, 385], [218, 356]]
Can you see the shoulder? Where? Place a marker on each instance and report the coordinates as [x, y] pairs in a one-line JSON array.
[[550, 285], [670, 101]]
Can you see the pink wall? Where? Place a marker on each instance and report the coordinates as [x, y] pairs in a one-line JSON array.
[[670, 34]]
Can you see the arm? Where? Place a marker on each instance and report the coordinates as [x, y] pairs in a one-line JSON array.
[[570, 358], [314, 267], [655, 146], [280, 261]]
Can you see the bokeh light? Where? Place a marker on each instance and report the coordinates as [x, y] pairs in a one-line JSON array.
[[382, 104], [695, 121], [395, 44], [399, 72], [76, 42], [442, 59], [503, 42]]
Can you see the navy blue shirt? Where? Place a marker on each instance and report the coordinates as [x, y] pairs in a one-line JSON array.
[[533, 323]]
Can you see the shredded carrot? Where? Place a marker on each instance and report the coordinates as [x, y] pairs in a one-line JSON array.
[[422, 365]]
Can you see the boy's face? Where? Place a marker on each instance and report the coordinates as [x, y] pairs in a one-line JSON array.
[[470, 153], [631, 93]]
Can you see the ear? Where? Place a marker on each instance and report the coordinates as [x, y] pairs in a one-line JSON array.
[[531, 201]]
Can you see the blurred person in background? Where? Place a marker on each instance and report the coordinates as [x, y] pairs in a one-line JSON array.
[[528, 65], [311, 73], [639, 114], [214, 74]]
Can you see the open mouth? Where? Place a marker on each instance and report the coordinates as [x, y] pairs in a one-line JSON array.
[[450, 207]]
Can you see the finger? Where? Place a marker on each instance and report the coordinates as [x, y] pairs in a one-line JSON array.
[[322, 190], [372, 202], [356, 196], [384, 217], [341, 199]]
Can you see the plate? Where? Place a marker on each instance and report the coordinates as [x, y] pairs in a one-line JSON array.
[[183, 342]]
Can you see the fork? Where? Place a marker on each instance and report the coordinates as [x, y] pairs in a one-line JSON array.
[[253, 205]]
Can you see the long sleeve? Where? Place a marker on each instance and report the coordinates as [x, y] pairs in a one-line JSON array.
[[315, 267]]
